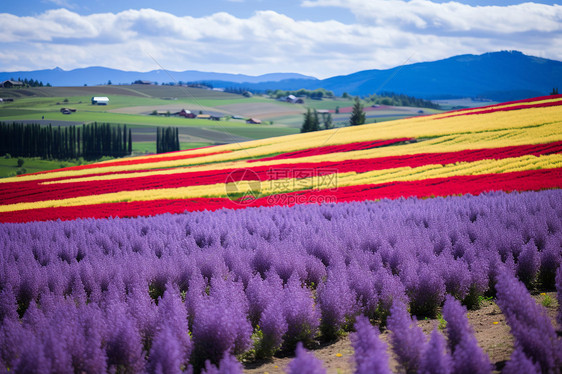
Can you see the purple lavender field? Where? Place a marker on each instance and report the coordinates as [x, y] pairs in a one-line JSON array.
[[176, 293]]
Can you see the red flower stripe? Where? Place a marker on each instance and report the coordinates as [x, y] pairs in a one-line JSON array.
[[333, 149], [505, 109], [528, 180], [531, 100], [531, 180], [29, 191], [135, 161]]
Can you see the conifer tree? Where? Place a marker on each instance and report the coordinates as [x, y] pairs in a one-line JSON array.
[[307, 124], [357, 114]]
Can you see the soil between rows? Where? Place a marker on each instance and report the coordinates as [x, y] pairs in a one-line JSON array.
[[488, 323]]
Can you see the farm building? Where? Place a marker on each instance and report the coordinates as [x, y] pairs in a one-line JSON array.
[[294, 100], [10, 83], [100, 100], [253, 121], [185, 113], [203, 116]]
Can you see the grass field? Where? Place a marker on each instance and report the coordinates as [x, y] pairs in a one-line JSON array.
[[131, 104], [9, 166], [142, 148]]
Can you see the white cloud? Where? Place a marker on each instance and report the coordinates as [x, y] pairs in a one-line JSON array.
[[452, 17], [386, 34]]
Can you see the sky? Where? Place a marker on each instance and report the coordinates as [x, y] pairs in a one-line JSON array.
[[321, 38]]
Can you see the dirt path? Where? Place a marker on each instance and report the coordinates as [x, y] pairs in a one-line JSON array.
[[490, 328]]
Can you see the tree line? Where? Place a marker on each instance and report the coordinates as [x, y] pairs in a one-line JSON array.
[[167, 139], [312, 118], [394, 99], [89, 141], [314, 121], [317, 94], [31, 82]]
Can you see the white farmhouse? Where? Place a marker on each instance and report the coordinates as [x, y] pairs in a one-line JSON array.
[[100, 100]]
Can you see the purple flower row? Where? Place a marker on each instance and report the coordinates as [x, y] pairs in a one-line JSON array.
[[165, 293]]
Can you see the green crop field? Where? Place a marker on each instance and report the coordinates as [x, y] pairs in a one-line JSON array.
[[9, 166], [260, 132]]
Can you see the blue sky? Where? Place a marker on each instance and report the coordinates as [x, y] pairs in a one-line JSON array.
[[317, 37]]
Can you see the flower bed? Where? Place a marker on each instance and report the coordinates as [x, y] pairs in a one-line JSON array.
[[176, 290]]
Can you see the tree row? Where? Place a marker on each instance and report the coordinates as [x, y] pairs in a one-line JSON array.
[[91, 141]]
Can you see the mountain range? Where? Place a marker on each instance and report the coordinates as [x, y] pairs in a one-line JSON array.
[[499, 76]]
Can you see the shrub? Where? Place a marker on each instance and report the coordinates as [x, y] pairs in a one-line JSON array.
[[228, 365], [520, 363], [273, 327], [370, 352], [528, 264], [303, 319], [406, 338], [426, 290], [305, 363], [220, 323], [166, 354], [467, 356], [559, 296], [336, 301], [436, 359], [530, 325]]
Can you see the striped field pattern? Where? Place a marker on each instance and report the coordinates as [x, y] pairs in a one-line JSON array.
[[510, 146]]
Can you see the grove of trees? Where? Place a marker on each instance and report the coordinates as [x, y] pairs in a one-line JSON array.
[[317, 94], [312, 121], [31, 82], [391, 98], [89, 141], [167, 139]]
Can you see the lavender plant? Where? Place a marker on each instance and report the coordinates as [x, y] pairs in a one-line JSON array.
[[303, 318], [467, 356], [337, 302], [103, 286], [530, 325], [220, 323], [520, 363], [559, 296], [370, 352], [407, 339], [305, 363], [436, 358], [228, 365]]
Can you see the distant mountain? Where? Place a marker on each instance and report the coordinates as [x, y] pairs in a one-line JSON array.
[[500, 76], [100, 75]]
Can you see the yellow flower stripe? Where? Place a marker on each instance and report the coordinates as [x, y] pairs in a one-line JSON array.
[[452, 143], [343, 179], [500, 106], [419, 127]]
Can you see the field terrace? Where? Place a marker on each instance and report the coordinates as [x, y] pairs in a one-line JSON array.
[[135, 265]]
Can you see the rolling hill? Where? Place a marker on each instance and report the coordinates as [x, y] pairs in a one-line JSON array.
[[382, 231], [497, 76], [510, 146], [101, 75]]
